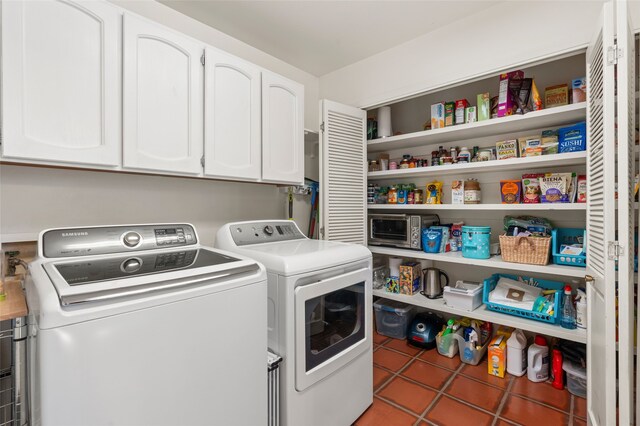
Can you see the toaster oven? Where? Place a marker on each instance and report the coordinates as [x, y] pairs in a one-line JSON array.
[[399, 230]]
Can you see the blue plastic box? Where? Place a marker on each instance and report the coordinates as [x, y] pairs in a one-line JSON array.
[[561, 236], [572, 138]]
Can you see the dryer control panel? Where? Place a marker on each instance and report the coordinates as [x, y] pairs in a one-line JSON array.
[[247, 233], [71, 242]]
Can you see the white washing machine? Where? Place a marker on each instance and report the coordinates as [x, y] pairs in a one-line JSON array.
[[319, 319], [141, 325]]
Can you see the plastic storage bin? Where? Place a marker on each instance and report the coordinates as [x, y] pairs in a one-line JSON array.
[[448, 345], [476, 241], [463, 295], [469, 353], [491, 282], [576, 378], [393, 318], [562, 236]]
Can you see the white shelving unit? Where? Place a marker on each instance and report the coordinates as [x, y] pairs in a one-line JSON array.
[[486, 207], [494, 262], [483, 314], [551, 117], [524, 163]]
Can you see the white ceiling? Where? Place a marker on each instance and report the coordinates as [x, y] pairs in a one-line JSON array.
[[323, 36]]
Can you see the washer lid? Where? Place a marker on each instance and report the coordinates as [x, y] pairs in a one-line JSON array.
[[305, 255], [115, 276]]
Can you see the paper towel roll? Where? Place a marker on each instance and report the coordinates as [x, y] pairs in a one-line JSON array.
[[384, 122], [394, 266]]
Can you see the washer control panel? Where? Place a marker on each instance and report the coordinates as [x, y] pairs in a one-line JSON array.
[[264, 232], [115, 239]]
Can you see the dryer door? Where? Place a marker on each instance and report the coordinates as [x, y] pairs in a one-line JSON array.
[[331, 318]]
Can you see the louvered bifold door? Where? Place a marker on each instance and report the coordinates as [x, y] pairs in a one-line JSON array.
[[600, 278], [343, 178], [626, 219]]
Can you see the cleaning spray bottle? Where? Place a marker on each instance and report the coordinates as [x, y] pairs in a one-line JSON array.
[[581, 309]]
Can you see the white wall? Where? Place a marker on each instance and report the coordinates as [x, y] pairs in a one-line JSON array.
[[173, 19], [496, 39], [36, 198]]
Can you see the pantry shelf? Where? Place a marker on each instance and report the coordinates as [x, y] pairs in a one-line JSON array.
[[484, 314], [551, 117], [494, 262], [489, 207], [519, 164]]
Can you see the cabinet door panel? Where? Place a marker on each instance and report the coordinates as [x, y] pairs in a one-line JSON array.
[[282, 129], [163, 110], [232, 117], [61, 80]]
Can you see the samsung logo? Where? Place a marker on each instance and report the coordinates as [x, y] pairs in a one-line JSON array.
[[75, 234]]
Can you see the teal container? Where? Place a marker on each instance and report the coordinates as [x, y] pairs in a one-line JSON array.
[[476, 241]]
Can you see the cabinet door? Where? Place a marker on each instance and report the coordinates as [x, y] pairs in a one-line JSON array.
[[61, 82], [232, 117], [163, 99], [282, 129], [601, 218]]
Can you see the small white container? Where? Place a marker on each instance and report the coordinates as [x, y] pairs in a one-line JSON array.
[[576, 378], [465, 295], [538, 360], [517, 353]]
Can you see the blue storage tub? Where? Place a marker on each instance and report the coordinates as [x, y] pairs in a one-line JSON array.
[[491, 282], [561, 236], [476, 241]]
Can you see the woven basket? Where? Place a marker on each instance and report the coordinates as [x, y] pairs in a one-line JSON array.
[[531, 250]]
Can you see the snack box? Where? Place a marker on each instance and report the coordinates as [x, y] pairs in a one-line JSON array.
[[437, 115], [511, 191], [449, 113], [457, 192], [470, 114], [509, 89], [573, 138], [483, 106], [461, 104], [498, 355], [578, 90], [549, 141], [507, 149], [531, 188], [410, 277], [530, 146], [556, 96]]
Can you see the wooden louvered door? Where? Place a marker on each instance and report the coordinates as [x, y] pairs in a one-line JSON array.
[[625, 42], [343, 177], [600, 278]]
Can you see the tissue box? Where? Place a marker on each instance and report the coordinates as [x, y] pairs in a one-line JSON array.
[[392, 285], [410, 277]]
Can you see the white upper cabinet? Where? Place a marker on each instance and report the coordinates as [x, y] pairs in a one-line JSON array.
[[282, 129], [163, 99], [232, 117], [61, 81]]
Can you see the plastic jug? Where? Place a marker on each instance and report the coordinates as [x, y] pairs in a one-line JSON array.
[[517, 353], [538, 360]]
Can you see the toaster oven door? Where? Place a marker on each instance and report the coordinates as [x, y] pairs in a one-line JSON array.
[[392, 230]]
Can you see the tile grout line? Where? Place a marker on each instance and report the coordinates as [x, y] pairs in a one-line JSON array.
[[507, 391], [441, 392], [571, 404], [397, 373]]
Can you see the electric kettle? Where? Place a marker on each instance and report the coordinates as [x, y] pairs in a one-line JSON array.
[[432, 285]]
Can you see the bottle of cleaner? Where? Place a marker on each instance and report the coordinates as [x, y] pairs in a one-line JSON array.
[[568, 319], [538, 360], [517, 353], [581, 309], [556, 369]]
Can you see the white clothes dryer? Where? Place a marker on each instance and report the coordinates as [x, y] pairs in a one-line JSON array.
[[319, 319]]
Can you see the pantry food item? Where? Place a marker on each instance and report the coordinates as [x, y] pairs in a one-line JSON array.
[[578, 90], [556, 96], [461, 104], [455, 241], [507, 149], [470, 114], [531, 188], [464, 156], [582, 189], [555, 187], [392, 195], [433, 194], [472, 192], [437, 115], [484, 106], [530, 146], [549, 142], [449, 113], [522, 100], [431, 240], [573, 138], [494, 106], [457, 192], [536, 100], [510, 191], [509, 83]]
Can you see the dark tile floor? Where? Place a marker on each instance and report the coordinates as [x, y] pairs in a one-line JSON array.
[[417, 387]]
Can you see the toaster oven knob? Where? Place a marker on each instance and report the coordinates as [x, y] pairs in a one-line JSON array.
[[268, 229]]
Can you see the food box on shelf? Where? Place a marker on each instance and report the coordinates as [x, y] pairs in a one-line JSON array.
[[410, 277], [393, 318]]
